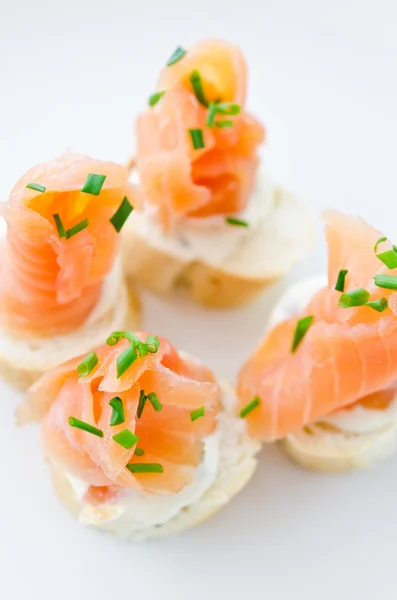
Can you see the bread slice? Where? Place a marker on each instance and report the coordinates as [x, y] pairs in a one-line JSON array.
[[216, 263], [23, 360], [325, 448], [237, 463], [326, 445]]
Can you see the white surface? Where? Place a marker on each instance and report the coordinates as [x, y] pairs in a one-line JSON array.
[[323, 80]]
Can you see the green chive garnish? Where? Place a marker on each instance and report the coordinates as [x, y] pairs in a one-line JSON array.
[[145, 468], [141, 404], [378, 305], [340, 284], [85, 427], [118, 416], [177, 55], [93, 184], [36, 187], [139, 451], [87, 364], [235, 221], [125, 360], [121, 214], [126, 438], [228, 108], [223, 124], [355, 298], [388, 258], [250, 407], [212, 111], [77, 228], [114, 338], [152, 343], [389, 282], [197, 86], [196, 414], [59, 225], [301, 329], [197, 138], [380, 240], [155, 402], [154, 98]]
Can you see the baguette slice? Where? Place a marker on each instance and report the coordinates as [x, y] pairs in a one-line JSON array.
[[325, 445], [219, 264], [23, 360], [236, 466]]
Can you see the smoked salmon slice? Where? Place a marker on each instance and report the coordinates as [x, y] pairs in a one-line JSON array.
[[164, 427], [60, 243], [201, 94], [346, 355]]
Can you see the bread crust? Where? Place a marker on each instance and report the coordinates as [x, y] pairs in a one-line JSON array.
[[336, 451]]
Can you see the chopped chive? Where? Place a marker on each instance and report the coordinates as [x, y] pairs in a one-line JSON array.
[[152, 343], [36, 187], [380, 240], [121, 214], [87, 364], [142, 348], [59, 225], [223, 124], [154, 98], [93, 184], [301, 329], [228, 108], [355, 298], [197, 85], [134, 339], [126, 438], [130, 336], [77, 228], [212, 111], [114, 338], [139, 451], [118, 416], [177, 55], [141, 404], [378, 305], [340, 283], [250, 407], [197, 138], [388, 258], [155, 402], [196, 414], [235, 221], [126, 359], [145, 468], [389, 282], [85, 426]]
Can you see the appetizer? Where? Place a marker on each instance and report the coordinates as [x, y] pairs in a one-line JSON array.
[[142, 440], [61, 283], [210, 222], [324, 379]]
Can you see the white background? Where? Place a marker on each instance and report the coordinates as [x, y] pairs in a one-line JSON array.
[[323, 80]]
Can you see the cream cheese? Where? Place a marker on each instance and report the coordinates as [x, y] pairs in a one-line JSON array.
[[136, 510], [358, 419], [253, 251]]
